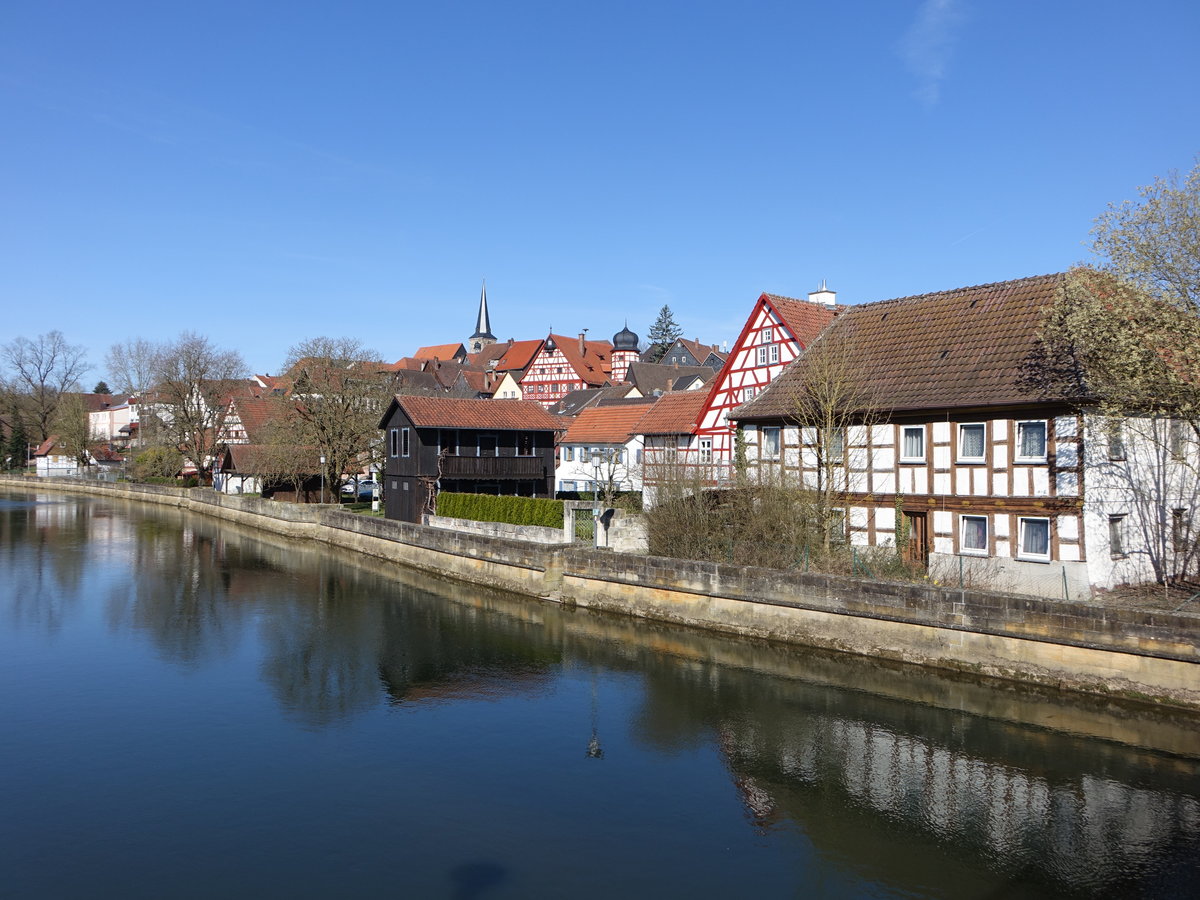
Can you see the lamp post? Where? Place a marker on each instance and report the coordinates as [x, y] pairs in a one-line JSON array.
[[322, 500], [596, 461]]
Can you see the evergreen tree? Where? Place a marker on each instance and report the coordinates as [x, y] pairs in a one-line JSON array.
[[663, 333], [101, 388], [17, 448]]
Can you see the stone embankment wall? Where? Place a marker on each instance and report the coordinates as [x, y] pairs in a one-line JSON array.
[[1139, 654]]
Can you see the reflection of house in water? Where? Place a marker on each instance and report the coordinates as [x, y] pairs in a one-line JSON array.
[[932, 809]]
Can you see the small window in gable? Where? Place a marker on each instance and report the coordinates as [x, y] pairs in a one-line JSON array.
[[768, 335]]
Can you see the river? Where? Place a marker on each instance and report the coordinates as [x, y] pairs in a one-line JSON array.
[[193, 709]]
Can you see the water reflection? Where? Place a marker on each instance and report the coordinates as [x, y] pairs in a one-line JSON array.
[[930, 785]]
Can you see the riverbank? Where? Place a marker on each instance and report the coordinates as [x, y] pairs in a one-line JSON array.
[[1136, 654]]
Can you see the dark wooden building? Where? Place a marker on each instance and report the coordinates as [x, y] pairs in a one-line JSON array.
[[434, 444]]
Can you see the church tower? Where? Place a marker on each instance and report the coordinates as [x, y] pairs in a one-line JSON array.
[[483, 336]]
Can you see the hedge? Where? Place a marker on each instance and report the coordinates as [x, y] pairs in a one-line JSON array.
[[513, 510]]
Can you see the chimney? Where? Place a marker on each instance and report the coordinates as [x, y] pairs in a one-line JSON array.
[[582, 344], [823, 295]]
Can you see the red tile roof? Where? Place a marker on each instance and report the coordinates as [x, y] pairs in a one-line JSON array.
[[605, 424], [803, 318], [440, 351], [674, 413], [594, 365], [452, 412], [961, 348], [256, 413]]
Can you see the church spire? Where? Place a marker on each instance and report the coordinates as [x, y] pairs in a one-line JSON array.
[[483, 327]]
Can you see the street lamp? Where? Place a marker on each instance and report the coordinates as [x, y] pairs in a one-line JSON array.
[[322, 500], [597, 459]]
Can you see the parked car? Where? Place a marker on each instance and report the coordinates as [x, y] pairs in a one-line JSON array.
[[365, 490]]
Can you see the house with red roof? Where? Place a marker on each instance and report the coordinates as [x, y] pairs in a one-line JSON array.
[[435, 444], [602, 449], [670, 444], [777, 331], [564, 364]]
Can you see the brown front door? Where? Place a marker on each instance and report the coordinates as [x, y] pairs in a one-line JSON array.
[[917, 548]]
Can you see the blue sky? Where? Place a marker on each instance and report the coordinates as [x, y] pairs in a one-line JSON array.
[[268, 172]]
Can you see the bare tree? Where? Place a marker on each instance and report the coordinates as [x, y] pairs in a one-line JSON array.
[[339, 391], [43, 370], [193, 381], [131, 365], [73, 428]]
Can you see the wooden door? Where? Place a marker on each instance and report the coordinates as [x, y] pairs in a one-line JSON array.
[[916, 550]]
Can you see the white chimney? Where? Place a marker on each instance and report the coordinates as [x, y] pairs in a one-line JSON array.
[[823, 295]]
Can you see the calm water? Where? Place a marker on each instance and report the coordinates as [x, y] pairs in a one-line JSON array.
[[193, 710]]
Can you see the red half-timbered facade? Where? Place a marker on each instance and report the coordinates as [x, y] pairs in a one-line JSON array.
[[776, 332], [564, 364]]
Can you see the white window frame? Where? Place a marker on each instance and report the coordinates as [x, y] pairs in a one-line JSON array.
[[769, 431], [1022, 553], [963, 458], [706, 450], [962, 535], [569, 453], [904, 430], [394, 443], [768, 335], [762, 356], [774, 353], [405, 442], [1020, 457]]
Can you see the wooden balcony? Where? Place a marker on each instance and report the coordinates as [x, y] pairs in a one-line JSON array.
[[493, 467]]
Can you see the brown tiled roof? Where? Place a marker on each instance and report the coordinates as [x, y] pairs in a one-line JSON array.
[[959, 348], [256, 413], [673, 413], [453, 412], [440, 351], [803, 318], [701, 351], [605, 424]]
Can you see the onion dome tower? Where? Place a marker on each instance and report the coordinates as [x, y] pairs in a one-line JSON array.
[[625, 351]]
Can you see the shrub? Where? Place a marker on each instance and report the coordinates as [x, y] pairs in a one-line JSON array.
[[512, 510]]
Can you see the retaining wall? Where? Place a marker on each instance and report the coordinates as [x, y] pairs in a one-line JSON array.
[[1139, 654]]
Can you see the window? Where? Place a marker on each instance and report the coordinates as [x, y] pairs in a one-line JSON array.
[[1116, 537], [1115, 432], [487, 445], [1034, 536], [973, 537], [404, 442], [770, 443], [1179, 530], [762, 356], [705, 450], [912, 443], [525, 443], [837, 445], [683, 442], [394, 442], [449, 442], [971, 442], [774, 353], [749, 395], [1031, 441], [569, 486], [837, 526], [568, 456], [640, 456], [768, 335], [1176, 438]]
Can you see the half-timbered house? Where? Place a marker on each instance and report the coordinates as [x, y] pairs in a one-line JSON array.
[[434, 444], [956, 460], [564, 364], [777, 330]]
